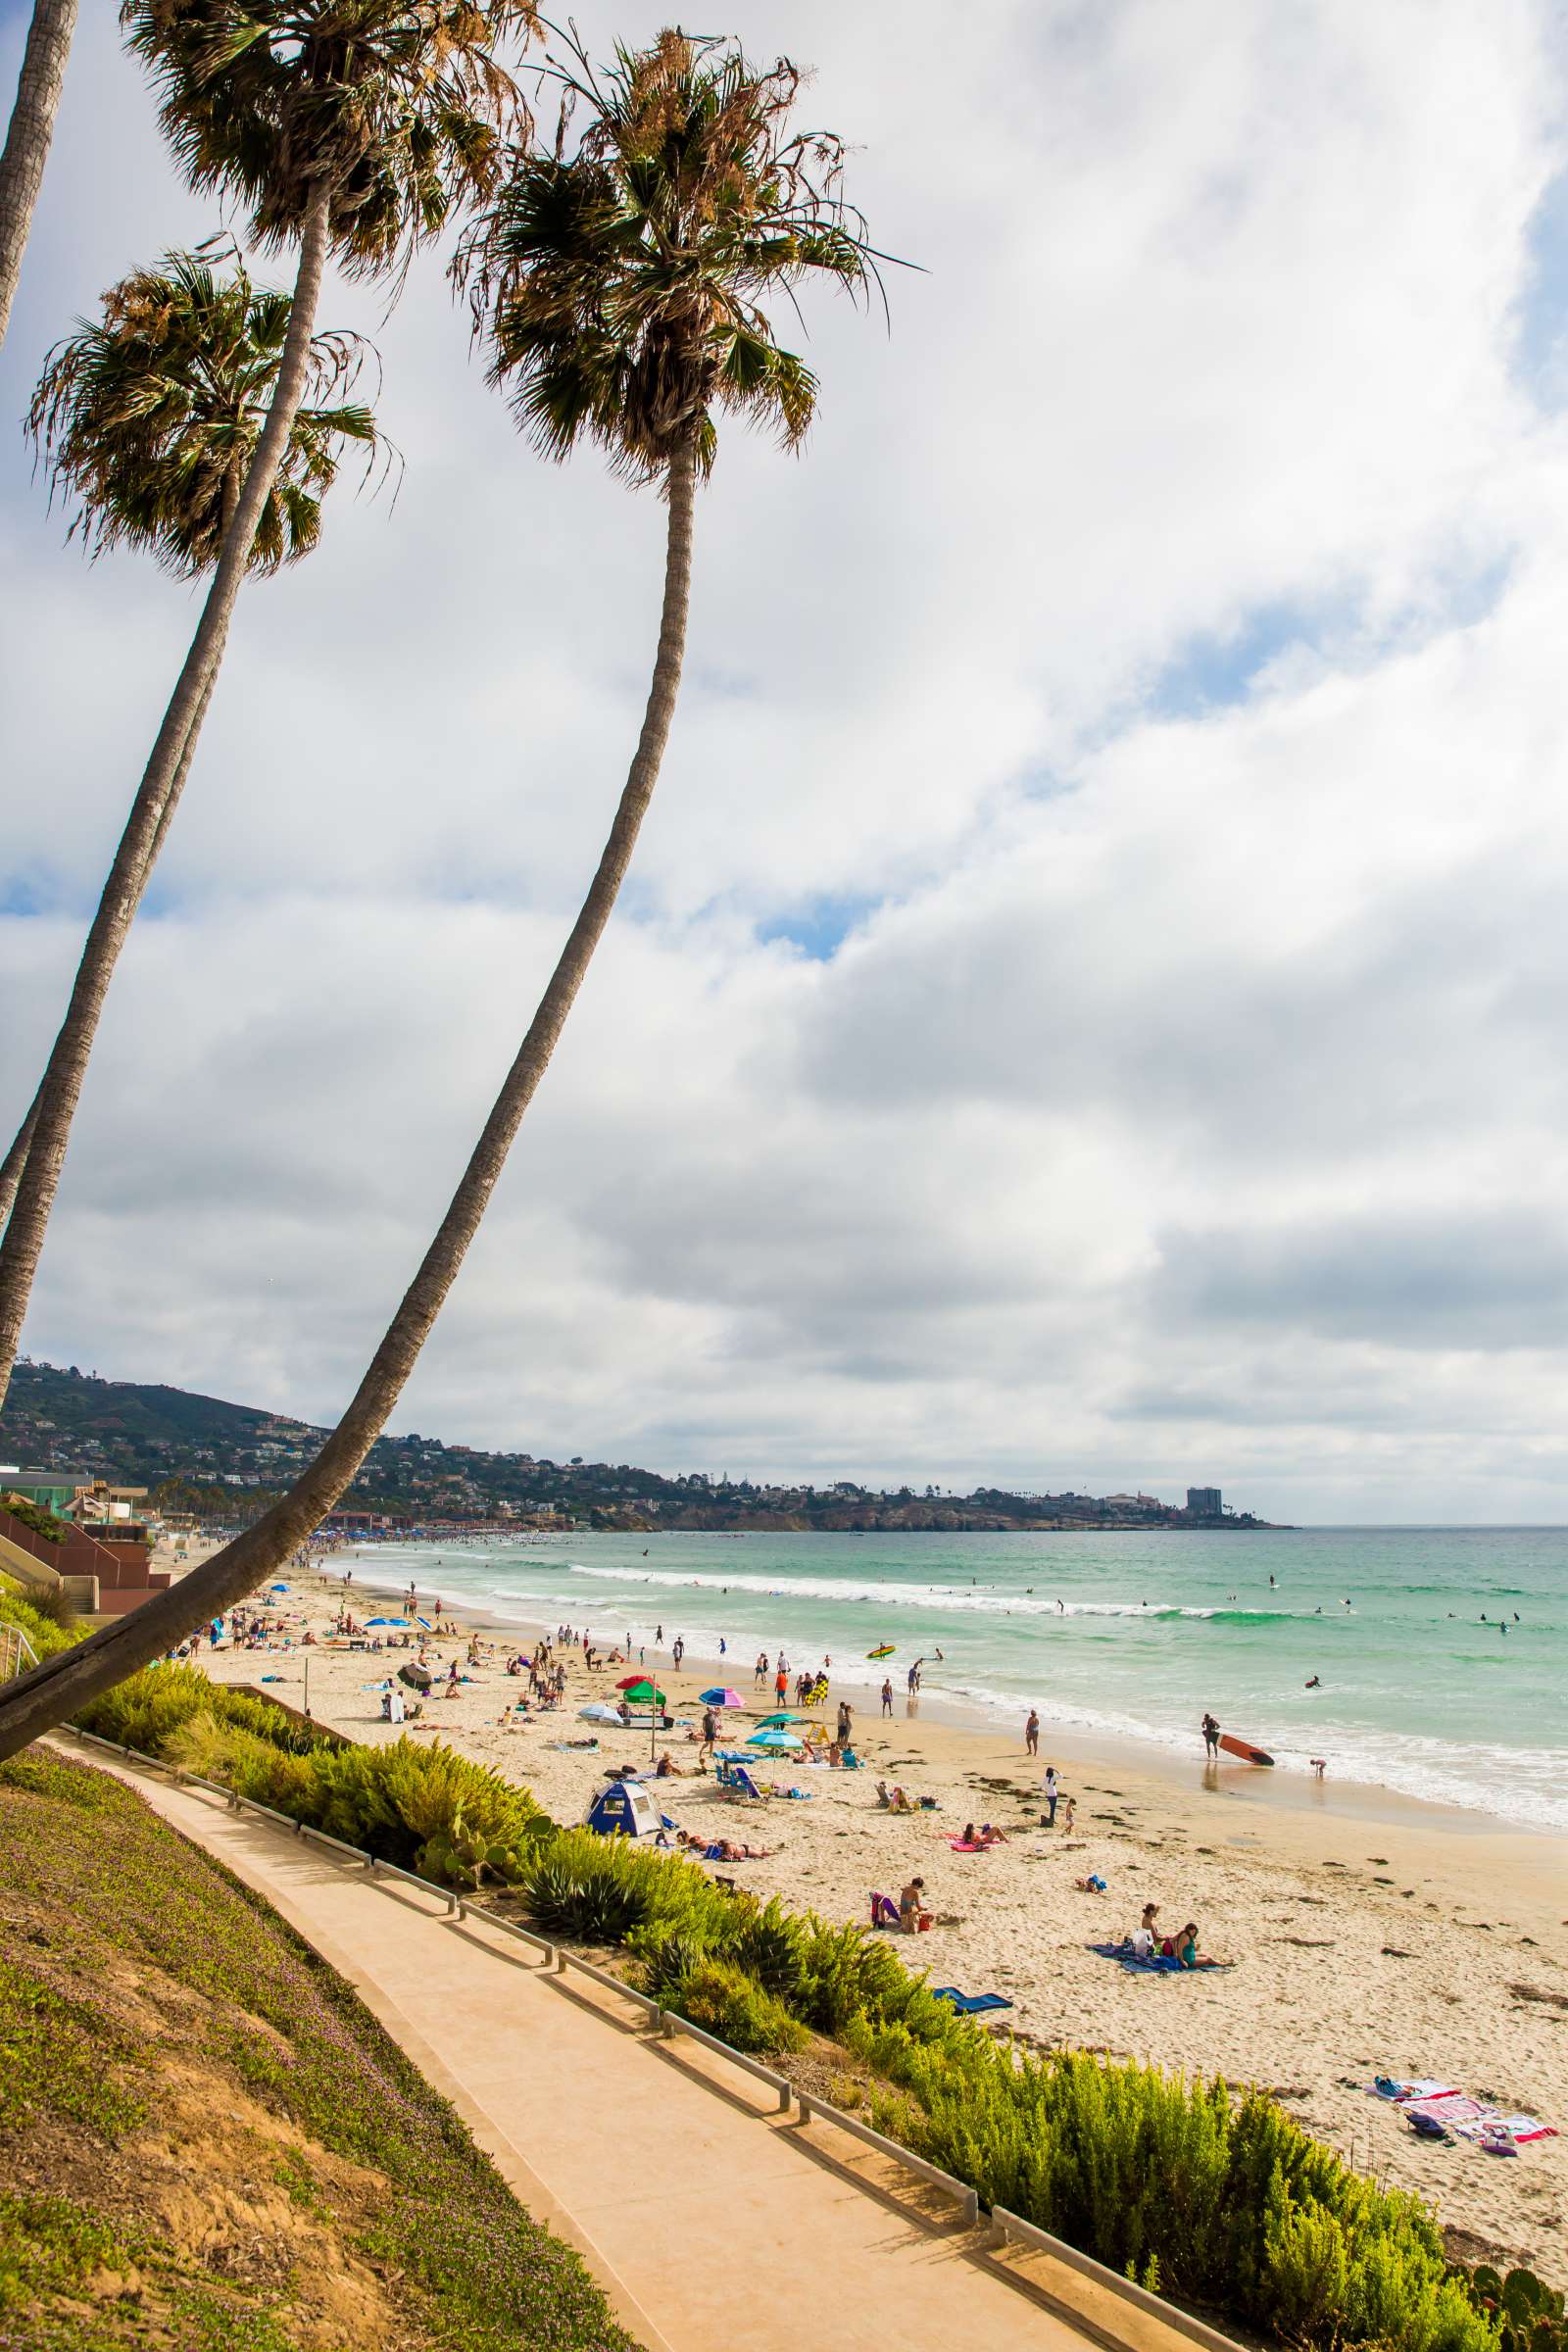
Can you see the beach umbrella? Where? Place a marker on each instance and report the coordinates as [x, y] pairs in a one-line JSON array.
[[386, 1621], [774, 1739], [598, 1710], [777, 1722], [721, 1696], [637, 1687]]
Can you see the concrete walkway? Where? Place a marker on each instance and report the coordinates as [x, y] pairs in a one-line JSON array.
[[708, 2219]]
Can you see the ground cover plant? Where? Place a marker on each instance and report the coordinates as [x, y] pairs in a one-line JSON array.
[[335, 2200]]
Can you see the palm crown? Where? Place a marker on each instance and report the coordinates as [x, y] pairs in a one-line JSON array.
[[398, 106], [618, 288], [149, 417]]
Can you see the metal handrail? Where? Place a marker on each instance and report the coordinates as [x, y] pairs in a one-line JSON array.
[[968, 2197], [14, 1646], [602, 1976], [673, 2023], [1006, 2226]]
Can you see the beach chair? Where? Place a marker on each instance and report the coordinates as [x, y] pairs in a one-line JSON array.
[[742, 1785], [969, 2004]]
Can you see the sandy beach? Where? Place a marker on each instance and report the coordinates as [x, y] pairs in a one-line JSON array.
[[1371, 1934]]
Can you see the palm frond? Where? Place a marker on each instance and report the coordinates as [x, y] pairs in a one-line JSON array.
[[617, 283], [145, 418]]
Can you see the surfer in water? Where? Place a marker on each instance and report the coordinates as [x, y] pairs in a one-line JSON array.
[[1315, 1683]]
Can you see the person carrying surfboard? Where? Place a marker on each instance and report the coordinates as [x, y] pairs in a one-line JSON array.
[[1210, 1739]]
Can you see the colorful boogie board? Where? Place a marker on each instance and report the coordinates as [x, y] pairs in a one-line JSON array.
[[886, 1651], [1245, 1749]]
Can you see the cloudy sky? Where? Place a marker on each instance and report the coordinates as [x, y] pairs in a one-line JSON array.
[[1091, 1007]]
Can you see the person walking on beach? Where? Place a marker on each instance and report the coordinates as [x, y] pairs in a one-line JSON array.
[[759, 1670], [710, 1735], [886, 1696], [846, 1720], [781, 1687], [1210, 1739], [1031, 1734], [1051, 1793]]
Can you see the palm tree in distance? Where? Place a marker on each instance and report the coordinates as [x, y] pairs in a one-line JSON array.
[[617, 292], [148, 416], [348, 128], [50, 33]]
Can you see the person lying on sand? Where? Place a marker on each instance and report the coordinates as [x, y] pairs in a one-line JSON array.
[[1092, 1884], [990, 1835]]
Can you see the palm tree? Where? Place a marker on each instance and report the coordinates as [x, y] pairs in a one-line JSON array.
[[33, 126], [618, 294], [349, 128], [148, 419]]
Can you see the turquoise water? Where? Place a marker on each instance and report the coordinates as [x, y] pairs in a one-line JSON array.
[[1133, 1634]]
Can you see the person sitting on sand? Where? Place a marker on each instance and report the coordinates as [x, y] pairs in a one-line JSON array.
[[899, 1802], [913, 1914], [884, 1801], [666, 1769], [971, 1837], [1186, 1949], [1147, 1931], [1093, 1883]]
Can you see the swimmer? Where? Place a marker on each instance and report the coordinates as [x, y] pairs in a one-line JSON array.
[[1315, 1683]]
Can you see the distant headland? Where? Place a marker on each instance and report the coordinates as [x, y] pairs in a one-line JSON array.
[[225, 1463]]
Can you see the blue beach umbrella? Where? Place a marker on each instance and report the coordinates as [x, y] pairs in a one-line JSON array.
[[773, 1738]]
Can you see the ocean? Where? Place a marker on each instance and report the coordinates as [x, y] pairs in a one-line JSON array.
[[1130, 1635]]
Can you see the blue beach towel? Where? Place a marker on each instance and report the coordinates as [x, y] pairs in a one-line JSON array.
[[969, 2004]]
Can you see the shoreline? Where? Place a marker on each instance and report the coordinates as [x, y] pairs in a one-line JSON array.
[[1276, 1787]]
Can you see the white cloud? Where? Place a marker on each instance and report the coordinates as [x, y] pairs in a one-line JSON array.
[[1156, 651]]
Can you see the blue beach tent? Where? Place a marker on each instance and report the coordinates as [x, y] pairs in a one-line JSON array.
[[622, 1809]]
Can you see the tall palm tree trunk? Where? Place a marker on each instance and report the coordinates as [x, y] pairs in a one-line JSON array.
[[150, 812], [15, 1159], [52, 1691], [33, 126]]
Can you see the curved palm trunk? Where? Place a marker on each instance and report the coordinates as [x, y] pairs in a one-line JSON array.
[[150, 813], [15, 1159], [33, 126], [52, 1691]]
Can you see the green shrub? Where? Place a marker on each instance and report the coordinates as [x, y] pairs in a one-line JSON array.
[[724, 2000], [33, 1516], [48, 1628], [421, 1807]]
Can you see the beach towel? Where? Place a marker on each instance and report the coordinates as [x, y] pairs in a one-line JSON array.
[[969, 2004], [1400, 2087], [884, 1911], [1517, 2126], [966, 1846]]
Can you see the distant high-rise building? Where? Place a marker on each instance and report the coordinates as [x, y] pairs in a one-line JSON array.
[[1203, 1501]]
